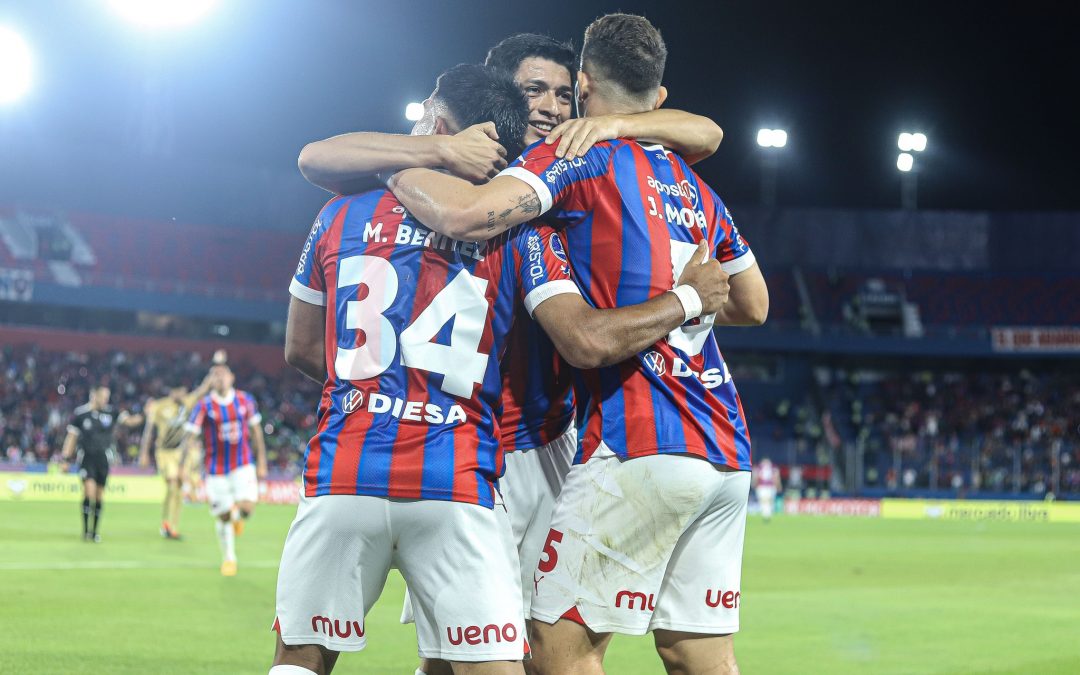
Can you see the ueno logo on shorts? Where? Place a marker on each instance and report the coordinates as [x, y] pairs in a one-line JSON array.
[[351, 401], [635, 598], [334, 628], [474, 635], [727, 599]]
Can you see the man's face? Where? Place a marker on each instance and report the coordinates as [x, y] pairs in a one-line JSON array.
[[223, 379], [100, 397], [178, 393], [547, 87]]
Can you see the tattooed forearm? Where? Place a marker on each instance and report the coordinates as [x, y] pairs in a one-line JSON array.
[[527, 204]]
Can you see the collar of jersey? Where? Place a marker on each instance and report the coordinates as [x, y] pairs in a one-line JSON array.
[[223, 400]]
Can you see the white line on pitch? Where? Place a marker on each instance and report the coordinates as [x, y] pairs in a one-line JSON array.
[[125, 565]]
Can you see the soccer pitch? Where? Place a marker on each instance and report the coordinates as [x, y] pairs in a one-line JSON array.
[[820, 595]]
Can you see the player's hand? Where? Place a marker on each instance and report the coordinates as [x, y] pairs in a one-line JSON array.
[[144, 461], [474, 153], [260, 473], [704, 275], [576, 136]]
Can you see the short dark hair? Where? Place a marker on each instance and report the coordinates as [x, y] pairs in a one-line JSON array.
[[625, 50], [474, 94], [509, 53]]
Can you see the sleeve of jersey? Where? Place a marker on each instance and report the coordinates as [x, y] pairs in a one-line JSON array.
[[308, 283], [555, 179], [194, 423], [732, 250], [256, 416], [73, 426], [542, 268]]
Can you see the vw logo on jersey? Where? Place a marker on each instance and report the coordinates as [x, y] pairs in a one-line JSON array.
[[655, 362], [351, 401], [556, 246]]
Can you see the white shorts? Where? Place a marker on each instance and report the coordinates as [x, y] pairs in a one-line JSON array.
[[223, 490], [458, 560], [653, 542], [532, 481], [766, 496]]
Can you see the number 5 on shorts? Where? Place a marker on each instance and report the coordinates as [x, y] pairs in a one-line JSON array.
[[551, 556]]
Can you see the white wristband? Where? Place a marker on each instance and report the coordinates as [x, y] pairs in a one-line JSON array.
[[691, 301]]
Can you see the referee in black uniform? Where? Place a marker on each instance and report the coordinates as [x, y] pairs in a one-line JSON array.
[[92, 430]]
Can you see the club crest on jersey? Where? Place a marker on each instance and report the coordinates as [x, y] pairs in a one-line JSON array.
[[655, 362], [352, 401], [556, 246]]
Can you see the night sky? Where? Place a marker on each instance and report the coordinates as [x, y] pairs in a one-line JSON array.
[[117, 112]]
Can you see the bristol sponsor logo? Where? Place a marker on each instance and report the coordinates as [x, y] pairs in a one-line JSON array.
[[634, 598], [562, 166], [352, 401], [474, 635], [535, 262], [725, 599], [655, 362], [414, 411], [710, 378], [336, 627], [307, 247]]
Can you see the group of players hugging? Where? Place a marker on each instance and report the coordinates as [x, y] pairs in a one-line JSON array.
[[524, 410]]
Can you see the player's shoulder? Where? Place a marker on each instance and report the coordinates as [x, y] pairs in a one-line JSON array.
[[361, 205], [82, 410]]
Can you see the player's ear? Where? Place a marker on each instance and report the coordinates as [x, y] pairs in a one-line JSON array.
[[443, 126], [661, 96], [582, 86]]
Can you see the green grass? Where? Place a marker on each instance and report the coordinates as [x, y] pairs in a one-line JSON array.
[[820, 595]]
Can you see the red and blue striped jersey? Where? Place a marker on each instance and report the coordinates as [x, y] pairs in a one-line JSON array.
[[415, 326], [632, 216], [225, 424], [538, 388]]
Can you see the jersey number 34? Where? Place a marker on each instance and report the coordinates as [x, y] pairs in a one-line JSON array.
[[461, 363]]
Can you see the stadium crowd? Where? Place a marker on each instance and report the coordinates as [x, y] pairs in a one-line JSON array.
[[967, 432], [963, 431], [39, 390]]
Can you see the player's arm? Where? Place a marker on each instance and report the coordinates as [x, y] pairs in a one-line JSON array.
[[461, 210], [258, 442], [305, 333], [68, 449], [593, 338], [202, 390], [147, 436], [347, 164], [748, 301], [694, 137], [129, 420]]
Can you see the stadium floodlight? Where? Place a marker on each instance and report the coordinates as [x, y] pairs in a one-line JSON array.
[[771, 138], [15, 66], [162, 13], [905, 161], [911, 142], [414, 111]]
